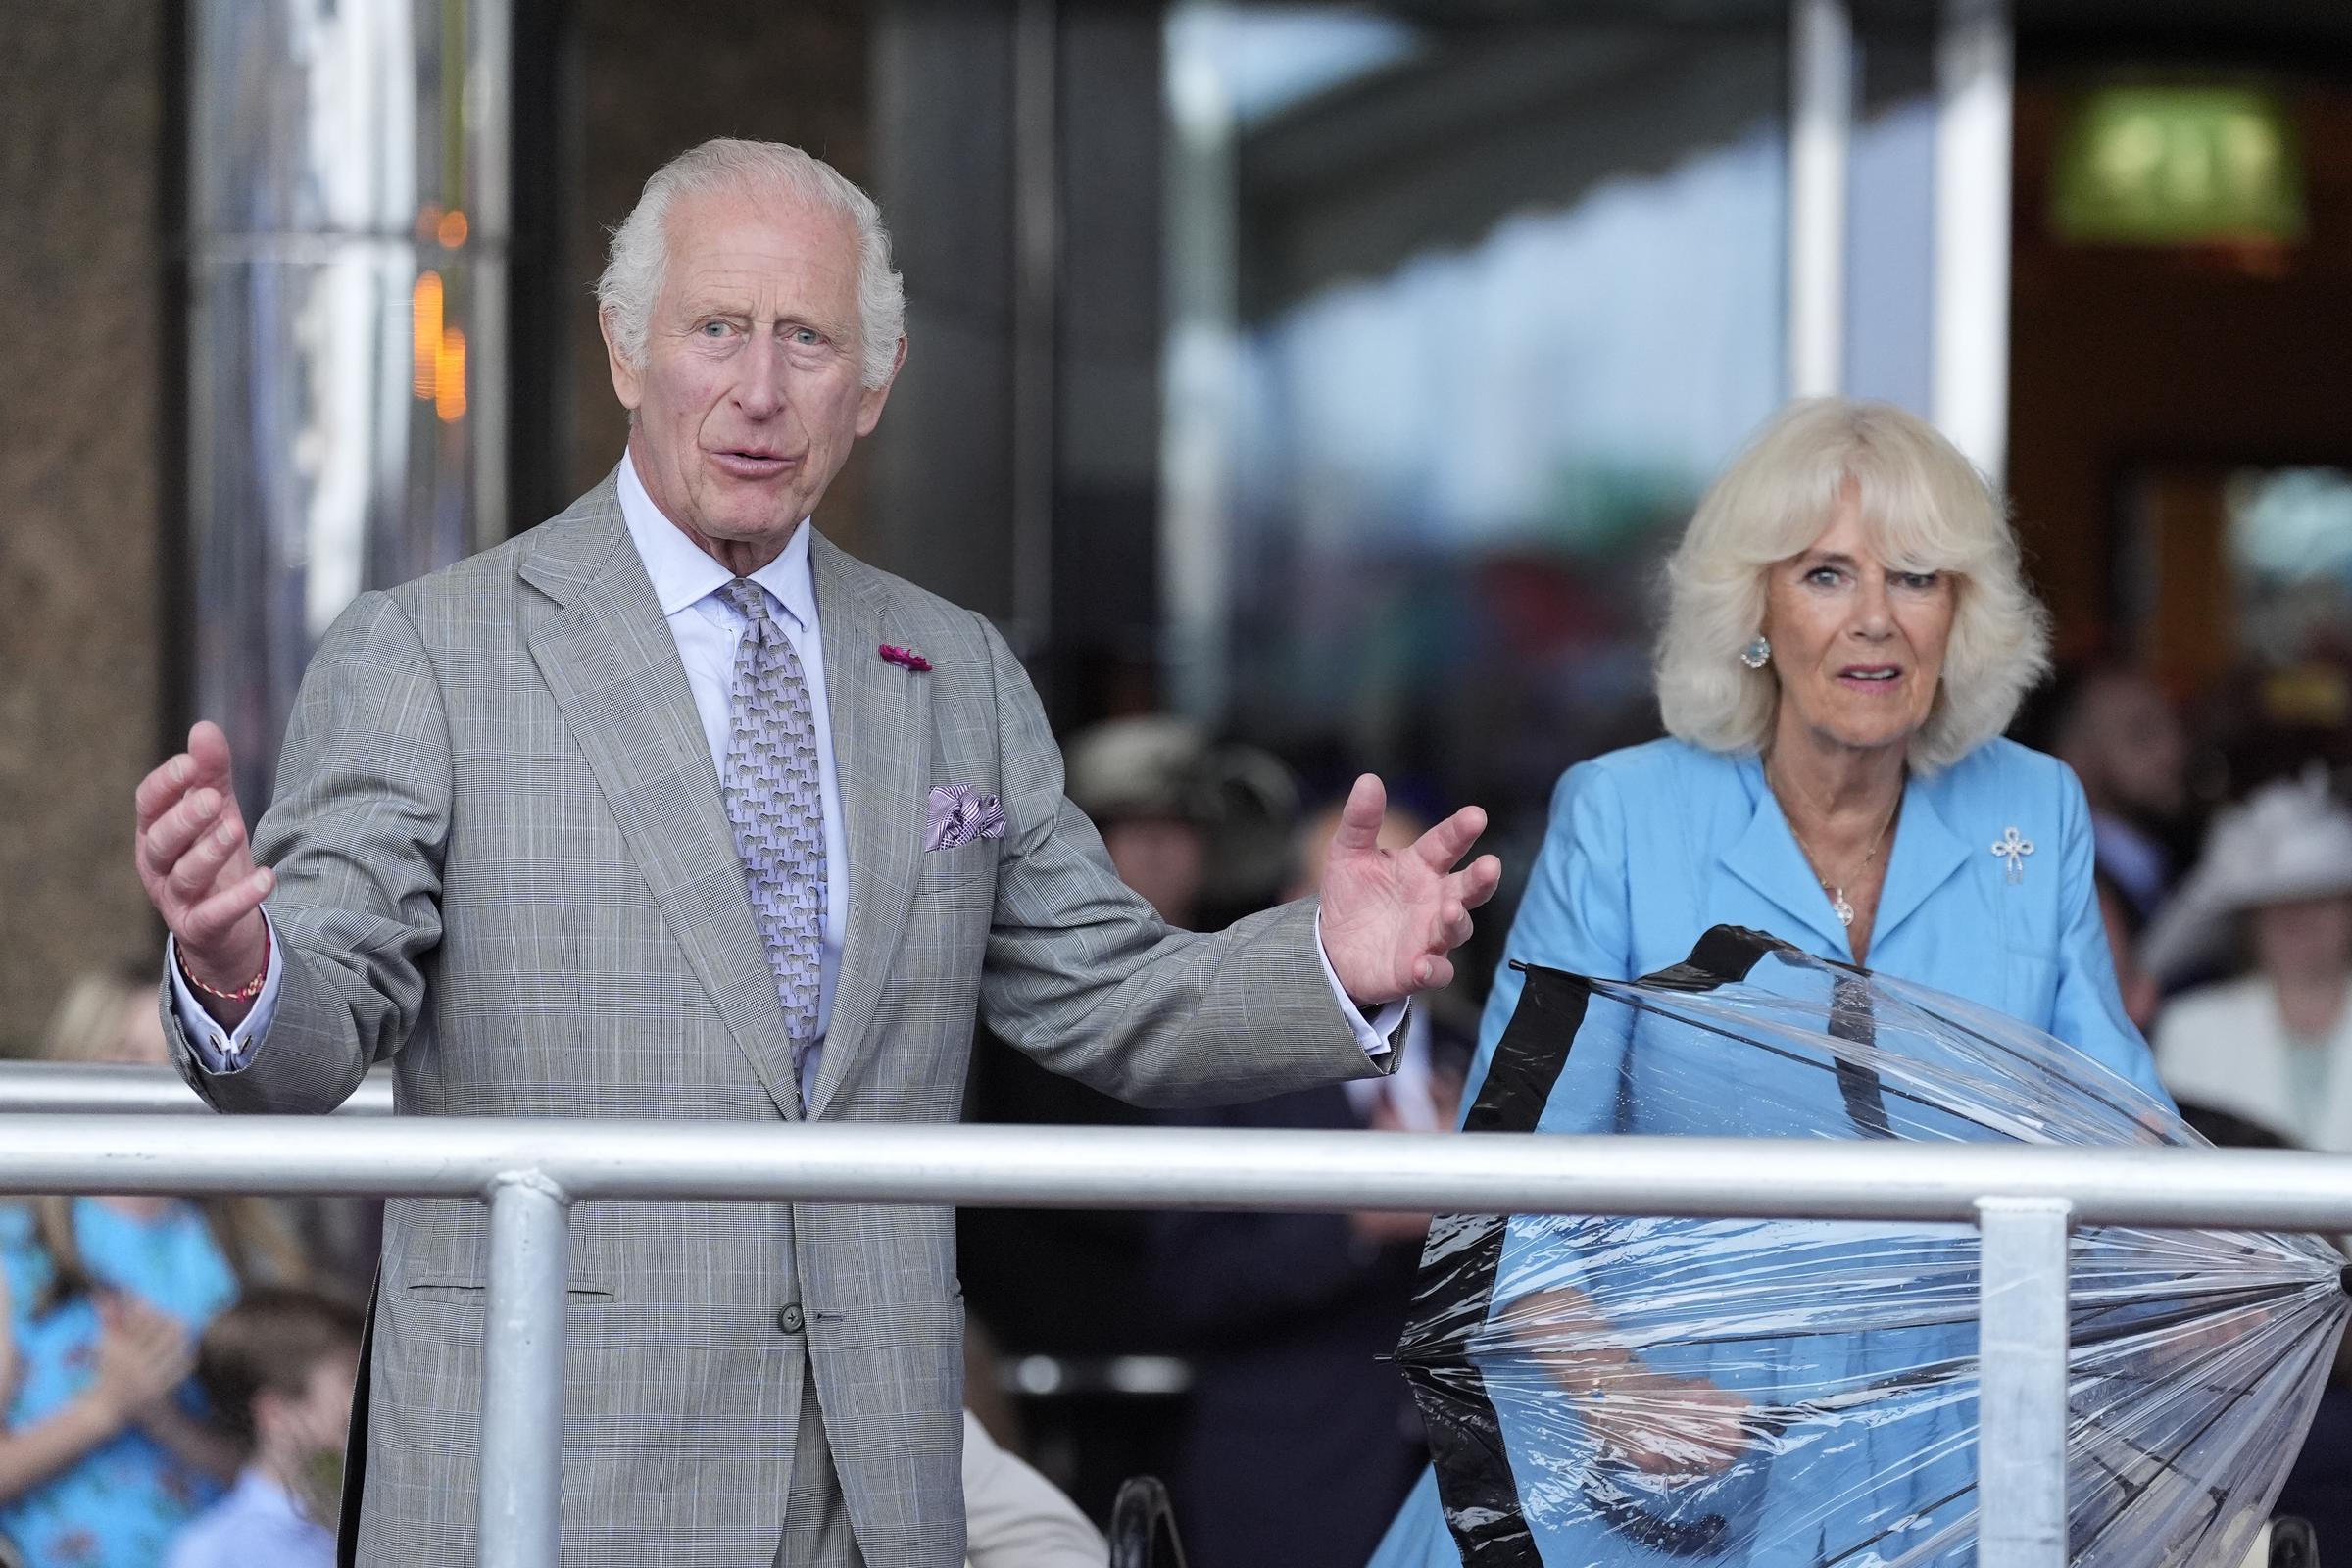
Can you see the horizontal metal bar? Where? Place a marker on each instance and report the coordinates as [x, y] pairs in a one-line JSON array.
[[1113, 1167], [99, 1089]]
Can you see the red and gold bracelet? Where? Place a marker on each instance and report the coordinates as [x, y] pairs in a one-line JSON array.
[[244, 993]]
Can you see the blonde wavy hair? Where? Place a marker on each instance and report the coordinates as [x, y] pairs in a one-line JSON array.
[[1925, 509]]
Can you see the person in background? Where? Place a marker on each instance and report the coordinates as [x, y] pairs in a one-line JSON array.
[[1013, 1516], [1143, 782], [1065, 1282], [99, 1021], [2141, 995], [279, 1368], [2274, 1044], [1069, 1283], [1300, 1440], [2119, 732], [104, 1452], [2263, 1057], [1206, 831], [107, 1017]]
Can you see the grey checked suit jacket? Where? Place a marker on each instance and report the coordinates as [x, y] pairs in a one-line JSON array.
[[504, 866]]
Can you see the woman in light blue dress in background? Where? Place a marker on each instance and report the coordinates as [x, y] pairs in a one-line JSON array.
[[1848, 634]]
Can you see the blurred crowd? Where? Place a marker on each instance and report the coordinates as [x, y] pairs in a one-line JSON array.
[[176, 1373]]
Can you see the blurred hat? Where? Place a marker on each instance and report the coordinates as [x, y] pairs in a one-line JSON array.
[[1153, 765], [1165, 766], [2288, 840]]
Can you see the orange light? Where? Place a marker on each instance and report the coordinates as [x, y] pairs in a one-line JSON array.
[[426, 305], [448, 377], [454, 228]]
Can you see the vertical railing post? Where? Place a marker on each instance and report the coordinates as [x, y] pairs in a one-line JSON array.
[[1821, 113], [523, 1373], [2021, 1385], [1975, 70]]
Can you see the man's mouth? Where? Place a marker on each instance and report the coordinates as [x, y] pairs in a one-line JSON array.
[[752, 462]]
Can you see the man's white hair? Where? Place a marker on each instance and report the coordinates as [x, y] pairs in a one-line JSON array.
[[632, 277], [1925, 508]]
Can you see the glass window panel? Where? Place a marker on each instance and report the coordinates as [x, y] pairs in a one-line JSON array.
[[1502, 297]]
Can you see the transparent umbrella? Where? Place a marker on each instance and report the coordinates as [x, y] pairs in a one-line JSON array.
[[1796, 1393]]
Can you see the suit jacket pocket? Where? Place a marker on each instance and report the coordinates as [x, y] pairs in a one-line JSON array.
[[942, 869], [442, 1261]]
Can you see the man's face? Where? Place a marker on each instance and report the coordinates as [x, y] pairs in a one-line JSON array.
[[749, 396]]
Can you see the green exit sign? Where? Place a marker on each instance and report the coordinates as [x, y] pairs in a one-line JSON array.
[[2178, 165]]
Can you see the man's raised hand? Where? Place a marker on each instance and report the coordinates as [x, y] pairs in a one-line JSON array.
[[1390, 917], [198, 868]]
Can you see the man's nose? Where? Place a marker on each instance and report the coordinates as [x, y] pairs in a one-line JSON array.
[[760, 383]]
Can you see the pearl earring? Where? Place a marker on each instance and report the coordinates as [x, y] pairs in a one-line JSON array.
[[1756, 654]]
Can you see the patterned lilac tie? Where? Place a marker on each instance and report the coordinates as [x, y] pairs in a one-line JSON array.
[[775, 802]]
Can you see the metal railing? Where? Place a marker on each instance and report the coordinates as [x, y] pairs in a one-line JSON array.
[[2025, 1199], [98, 1089]]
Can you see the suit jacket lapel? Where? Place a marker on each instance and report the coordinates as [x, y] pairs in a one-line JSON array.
[[881, 721], [610, 661]]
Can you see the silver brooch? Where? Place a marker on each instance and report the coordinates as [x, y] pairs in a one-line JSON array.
[[2013, 849]]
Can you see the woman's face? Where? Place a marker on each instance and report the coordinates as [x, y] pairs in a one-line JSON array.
[[2303, 938], [1857, 644]]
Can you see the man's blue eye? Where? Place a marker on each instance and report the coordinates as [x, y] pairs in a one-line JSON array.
[[807, 337], [714, 328]]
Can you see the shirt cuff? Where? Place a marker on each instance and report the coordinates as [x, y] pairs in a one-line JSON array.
[[218, 1049], [1374, 1036]]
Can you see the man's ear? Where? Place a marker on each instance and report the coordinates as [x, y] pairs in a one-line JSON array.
[[869, 402], [628, 384]]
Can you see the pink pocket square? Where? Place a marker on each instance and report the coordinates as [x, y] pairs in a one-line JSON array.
[[958, 814]]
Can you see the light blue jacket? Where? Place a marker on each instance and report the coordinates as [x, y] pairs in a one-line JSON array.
[[1651, 846]]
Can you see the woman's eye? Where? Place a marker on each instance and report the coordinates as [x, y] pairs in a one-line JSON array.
[[1823, 576], [1917, 581]]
